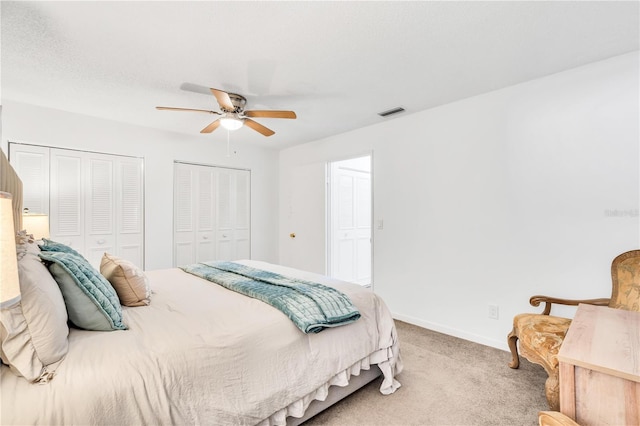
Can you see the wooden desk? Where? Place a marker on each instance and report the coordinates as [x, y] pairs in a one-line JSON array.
[[600, 367]]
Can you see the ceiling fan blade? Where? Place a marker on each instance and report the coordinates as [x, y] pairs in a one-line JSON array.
[[186, 109], [258, 127], [223, 99], [196, 88], [270, 114], [211, 127]]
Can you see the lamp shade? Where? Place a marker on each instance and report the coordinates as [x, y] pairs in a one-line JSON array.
[[9, 284], [36, 224]]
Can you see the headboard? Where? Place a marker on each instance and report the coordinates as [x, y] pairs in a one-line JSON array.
[[11, 183]]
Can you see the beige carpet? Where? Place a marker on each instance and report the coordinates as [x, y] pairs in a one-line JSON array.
[[446, 381]]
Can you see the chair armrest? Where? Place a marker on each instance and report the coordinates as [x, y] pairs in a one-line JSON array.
[[554, 418], [536, 300]]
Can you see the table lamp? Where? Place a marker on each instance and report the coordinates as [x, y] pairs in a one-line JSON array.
[[36, 224], [9, 284]]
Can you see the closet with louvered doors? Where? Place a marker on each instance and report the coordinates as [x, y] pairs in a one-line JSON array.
[[95, 201], [212, 216]]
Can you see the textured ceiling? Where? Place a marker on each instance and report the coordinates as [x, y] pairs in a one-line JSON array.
[[336, 64]]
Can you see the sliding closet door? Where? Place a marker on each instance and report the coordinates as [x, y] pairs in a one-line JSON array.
[[211, 213]]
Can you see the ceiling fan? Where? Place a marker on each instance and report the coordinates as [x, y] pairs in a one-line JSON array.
[[233, 115]]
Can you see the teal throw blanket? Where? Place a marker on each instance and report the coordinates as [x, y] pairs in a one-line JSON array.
[[311, 306]]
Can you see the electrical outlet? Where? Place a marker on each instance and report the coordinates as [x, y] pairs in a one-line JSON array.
[[493, 311]]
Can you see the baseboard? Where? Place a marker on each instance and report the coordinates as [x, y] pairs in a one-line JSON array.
[[453, 332]]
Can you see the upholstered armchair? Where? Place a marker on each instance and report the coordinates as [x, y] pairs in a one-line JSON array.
[[541, 335]]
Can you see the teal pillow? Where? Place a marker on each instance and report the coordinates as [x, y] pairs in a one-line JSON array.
[[91, 301], [49, 245]]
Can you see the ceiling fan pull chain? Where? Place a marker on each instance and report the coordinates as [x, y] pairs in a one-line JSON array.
[[228, 150]]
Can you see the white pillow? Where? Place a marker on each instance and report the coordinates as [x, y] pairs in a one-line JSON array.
[[34, 333]]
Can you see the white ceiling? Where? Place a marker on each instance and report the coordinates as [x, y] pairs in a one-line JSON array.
[[336, 64]]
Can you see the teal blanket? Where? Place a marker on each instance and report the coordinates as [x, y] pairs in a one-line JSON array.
[[311, 306]]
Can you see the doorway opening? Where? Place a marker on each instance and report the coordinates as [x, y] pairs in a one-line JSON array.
[[349, 208]]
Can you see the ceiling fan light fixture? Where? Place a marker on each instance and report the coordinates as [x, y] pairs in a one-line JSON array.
[[231, 121]]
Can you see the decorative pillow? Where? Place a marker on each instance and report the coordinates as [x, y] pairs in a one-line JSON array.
[[131, 284], [34, 332], [49, 245], [91, 302]]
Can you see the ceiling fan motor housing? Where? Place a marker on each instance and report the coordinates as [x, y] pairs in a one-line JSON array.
[[238, 102]]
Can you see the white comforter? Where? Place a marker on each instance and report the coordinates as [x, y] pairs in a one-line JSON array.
[[201, 354]]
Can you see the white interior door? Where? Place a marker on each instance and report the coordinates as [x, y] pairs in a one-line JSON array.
[[350, 220], [305, 237]]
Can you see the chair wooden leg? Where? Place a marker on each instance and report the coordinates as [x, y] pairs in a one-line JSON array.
[[512, 340], [552, 392]]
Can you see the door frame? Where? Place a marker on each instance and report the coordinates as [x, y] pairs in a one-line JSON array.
[[328, 206]]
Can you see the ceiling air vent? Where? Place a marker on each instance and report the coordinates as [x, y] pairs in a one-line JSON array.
[[391, 112]]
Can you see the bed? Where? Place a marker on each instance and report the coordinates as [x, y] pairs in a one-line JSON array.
[[199, 353]]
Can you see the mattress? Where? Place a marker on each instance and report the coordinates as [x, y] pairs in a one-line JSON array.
[[201, 354]]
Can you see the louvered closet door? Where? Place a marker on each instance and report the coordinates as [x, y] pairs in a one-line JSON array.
[[233, 214], [100, 205], [32, 165], [205, 214], [211, 214], [224, 206], [243, 214], [95, 201], [66, 220], [129, 183], [184, 186], [194, 214]]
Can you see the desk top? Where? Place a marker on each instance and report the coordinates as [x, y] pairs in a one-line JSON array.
[[605, 340]]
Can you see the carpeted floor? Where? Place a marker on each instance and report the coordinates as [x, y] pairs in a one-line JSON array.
[[446, 381]]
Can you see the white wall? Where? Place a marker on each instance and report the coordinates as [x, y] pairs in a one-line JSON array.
[[488, 200], [42, 126]]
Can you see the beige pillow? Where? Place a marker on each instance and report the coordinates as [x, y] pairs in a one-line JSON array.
[[34, 332], [131, 284]]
